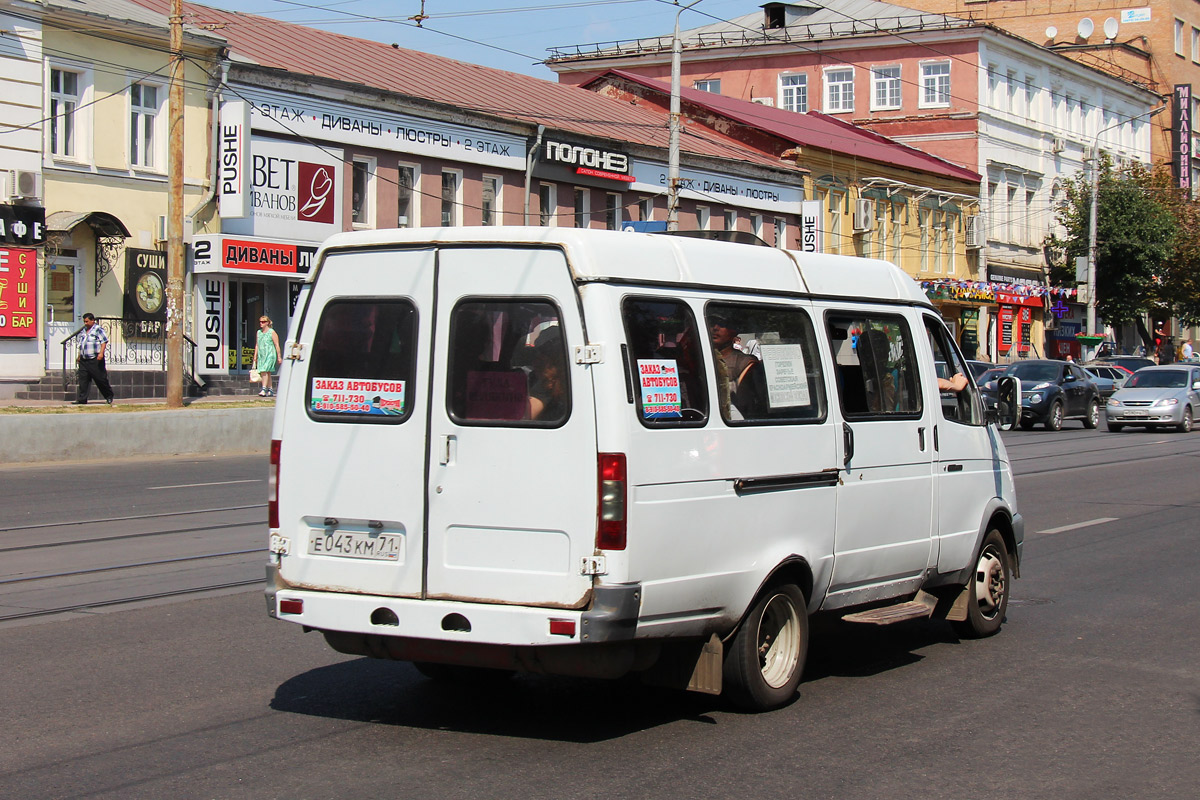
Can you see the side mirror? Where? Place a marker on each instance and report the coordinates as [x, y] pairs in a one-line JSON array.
[[1196, 385], [1008, 405]]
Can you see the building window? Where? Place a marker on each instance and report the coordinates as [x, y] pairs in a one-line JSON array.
[[712, 85], [730, 216], [897, 234], [406, 210], [1196, 45], [612, 211], [756, 225], [703, 218], [490, 200], [583, 208], [935, 84], [885, 88], [994, 86], [793, 93], [362, 184], [1032, 110], [939, 242], [834, 241], [646, 209], [64, 100], [547, 205], [451, 207], [839, 90], [1010, 215], [1180, 27], [780, 232], [923, 223], [143, 119], [1010, 104]]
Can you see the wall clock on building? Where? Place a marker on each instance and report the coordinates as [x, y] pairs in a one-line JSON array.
[[150, 294]]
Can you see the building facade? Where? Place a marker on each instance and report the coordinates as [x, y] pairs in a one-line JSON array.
[[99, 147], [1022, 117]]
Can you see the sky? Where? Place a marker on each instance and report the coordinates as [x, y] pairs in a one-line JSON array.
[[506, 34]]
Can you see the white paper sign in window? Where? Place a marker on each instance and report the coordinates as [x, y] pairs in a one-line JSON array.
[[787, 379]]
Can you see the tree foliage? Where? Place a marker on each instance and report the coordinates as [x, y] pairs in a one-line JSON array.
[[1147, 243]]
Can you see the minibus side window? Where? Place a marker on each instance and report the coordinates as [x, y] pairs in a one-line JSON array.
[[877, 375], [666, 358], [766, 363], [965, 406], [508, 364], [361, 368]]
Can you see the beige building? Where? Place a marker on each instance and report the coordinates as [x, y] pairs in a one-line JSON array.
[[104, 72]]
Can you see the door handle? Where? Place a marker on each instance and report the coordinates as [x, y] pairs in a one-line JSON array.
[[447, 450], [954, 468], [848, 440], [921, 438]]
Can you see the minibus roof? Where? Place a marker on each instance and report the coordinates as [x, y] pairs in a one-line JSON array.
[[626, 257]]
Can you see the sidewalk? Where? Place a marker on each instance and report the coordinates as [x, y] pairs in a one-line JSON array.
[[55, 430]]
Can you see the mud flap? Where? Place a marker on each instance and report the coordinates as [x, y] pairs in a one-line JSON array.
[[958, 611], [694, 666]]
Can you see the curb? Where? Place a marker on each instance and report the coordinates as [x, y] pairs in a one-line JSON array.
[[72, 437]]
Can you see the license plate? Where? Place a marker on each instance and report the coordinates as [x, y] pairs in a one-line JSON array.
[[355, 544], [1134, 412]]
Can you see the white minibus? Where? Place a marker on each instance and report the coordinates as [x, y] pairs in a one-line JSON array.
[[598, 453]]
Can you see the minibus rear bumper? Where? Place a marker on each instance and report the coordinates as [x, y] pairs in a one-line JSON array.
[[612, 616]]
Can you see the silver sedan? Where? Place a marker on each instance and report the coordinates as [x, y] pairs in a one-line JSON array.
[[1167, 396]]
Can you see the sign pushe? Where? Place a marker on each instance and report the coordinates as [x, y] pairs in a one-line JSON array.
[[295, 191]]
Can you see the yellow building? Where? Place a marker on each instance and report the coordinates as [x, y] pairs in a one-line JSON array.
[[104, 165]]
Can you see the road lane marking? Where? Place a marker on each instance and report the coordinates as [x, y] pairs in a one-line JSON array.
[[215, 483], [1079, 525]]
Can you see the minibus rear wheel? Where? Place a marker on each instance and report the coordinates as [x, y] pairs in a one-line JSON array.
[[765, 660], [988, 588]]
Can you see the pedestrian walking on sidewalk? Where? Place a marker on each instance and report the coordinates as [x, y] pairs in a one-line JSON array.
[[93, 345], [266, 354]]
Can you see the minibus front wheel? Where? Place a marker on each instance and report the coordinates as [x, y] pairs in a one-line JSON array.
[[988, 589], [765, 660]]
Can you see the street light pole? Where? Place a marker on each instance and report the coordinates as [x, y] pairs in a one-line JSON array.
[[673, 147]]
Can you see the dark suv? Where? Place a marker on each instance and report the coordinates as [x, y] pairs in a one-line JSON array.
[[1052, 391]]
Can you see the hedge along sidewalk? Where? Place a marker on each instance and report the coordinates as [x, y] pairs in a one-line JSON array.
[[29, 437]]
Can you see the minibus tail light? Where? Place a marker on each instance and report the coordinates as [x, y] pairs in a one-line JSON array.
[[610, 532], [273, 486]]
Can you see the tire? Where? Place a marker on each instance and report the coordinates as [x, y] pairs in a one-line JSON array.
[[765, 660], [1186, 425], [988, 589], [1092, 419], [1054, 417], [1115, 427], [1026, 424]]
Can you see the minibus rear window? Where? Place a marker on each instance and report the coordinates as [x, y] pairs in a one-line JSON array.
[[666, 358], [361, 368], [766, 363], [508, 364]]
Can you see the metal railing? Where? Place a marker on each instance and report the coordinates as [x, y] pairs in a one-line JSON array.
[[130, 345]]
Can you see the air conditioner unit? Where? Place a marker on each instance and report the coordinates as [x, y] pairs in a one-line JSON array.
[[1058, 144], [23, 184], [864, 215], [763, 101], [974, 234]]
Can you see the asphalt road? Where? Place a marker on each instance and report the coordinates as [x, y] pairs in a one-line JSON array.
[[1091, 690]]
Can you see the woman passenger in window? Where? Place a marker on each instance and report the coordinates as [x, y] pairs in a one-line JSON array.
[[548, 393]]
